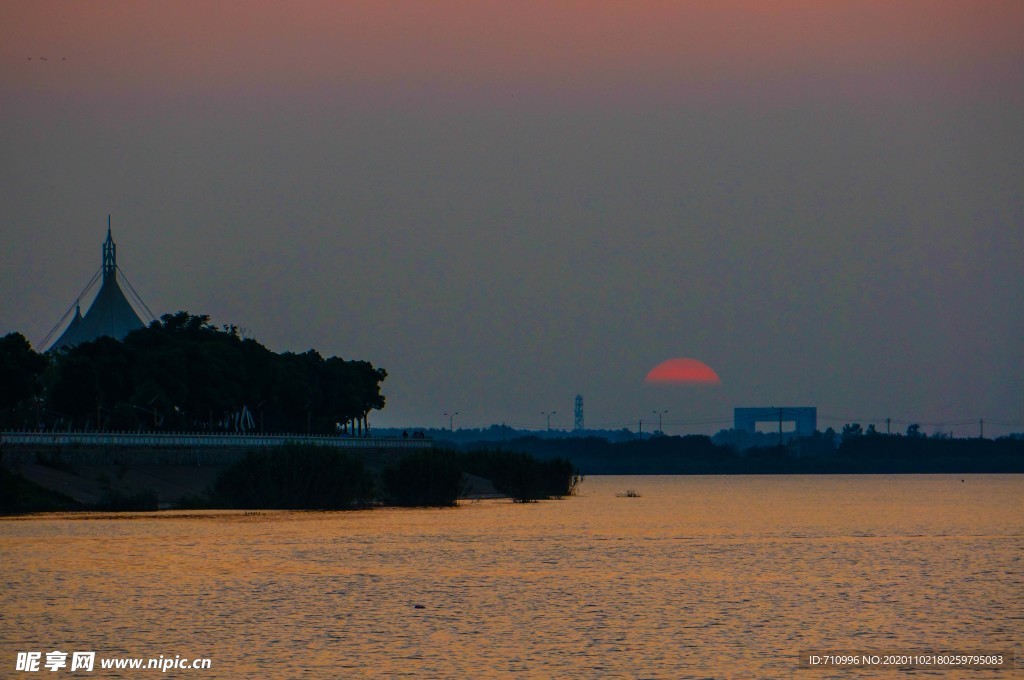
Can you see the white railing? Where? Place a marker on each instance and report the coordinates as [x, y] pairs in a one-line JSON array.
[[193, 440]]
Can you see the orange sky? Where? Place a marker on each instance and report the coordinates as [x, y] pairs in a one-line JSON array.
[[665, 50], [835, 183]]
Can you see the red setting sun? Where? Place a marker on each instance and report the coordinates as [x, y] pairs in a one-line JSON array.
[[683, 371]]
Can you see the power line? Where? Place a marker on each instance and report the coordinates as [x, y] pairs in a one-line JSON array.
[[137, 297], [76, 303]]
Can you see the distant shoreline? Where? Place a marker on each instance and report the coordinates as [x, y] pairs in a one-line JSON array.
[[864, 454]]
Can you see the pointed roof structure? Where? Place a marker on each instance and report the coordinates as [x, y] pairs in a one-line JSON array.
[[110, 313]]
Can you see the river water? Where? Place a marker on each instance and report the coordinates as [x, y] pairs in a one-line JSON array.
[[698, 577]]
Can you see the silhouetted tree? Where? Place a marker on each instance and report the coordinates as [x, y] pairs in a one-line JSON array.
[[850, 431], [21, 370], [817, 444], [91, 379], [181, 372]]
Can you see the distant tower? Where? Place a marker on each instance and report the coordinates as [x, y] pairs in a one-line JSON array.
[[578, 423]]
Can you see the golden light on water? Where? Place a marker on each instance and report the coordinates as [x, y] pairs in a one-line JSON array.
[[703, 576]]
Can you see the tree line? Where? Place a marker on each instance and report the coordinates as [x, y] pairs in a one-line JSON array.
[[183, 373], [855, 451]]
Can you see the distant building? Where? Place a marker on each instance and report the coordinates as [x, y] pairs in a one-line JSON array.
[[805, 418], [110, 313]]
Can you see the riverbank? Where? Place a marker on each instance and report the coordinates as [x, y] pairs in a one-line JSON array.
[[288, 477]]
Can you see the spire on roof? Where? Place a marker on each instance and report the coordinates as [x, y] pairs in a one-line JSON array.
[[110, 313], [109, 254]]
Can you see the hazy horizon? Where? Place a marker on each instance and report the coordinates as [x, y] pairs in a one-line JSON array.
[[506, 206]]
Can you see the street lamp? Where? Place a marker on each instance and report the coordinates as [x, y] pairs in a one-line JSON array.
[[660, 414], [543, 413], [451, 421]]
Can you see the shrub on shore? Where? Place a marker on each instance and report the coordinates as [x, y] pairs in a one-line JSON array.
[[320, 478], [294, 478], [325, 478], [524, 478], [424, 478]]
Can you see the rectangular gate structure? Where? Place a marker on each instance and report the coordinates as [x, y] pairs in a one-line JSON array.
[[805, 417]]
